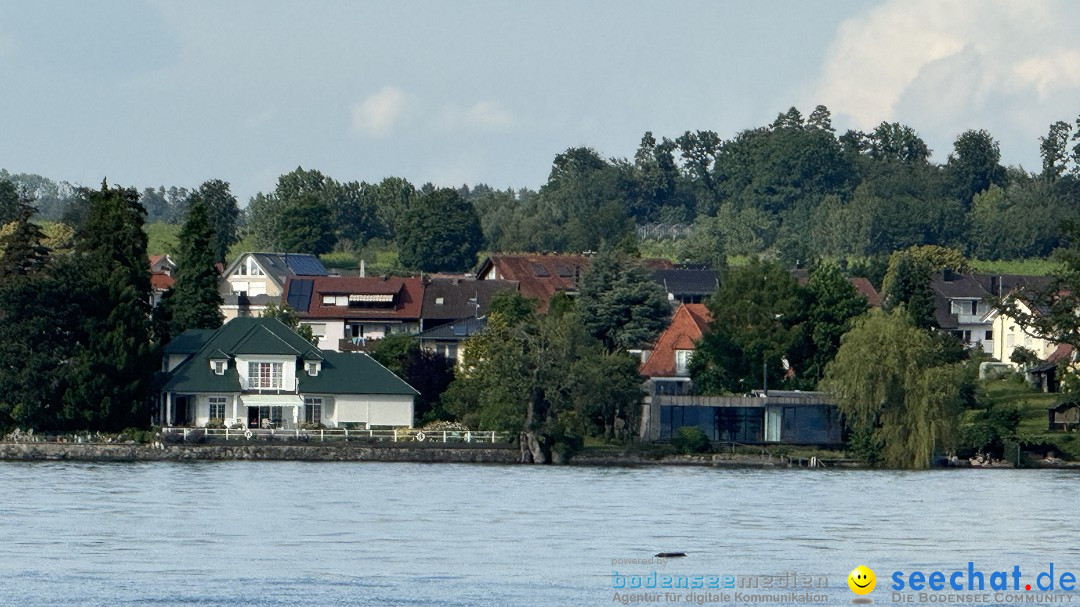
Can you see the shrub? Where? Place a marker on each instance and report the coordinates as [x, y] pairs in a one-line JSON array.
[[691, 439]]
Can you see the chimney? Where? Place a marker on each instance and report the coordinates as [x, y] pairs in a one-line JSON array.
[[363, 268], [947, 275]]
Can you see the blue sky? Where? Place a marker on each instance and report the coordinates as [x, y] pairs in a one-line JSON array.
[[166, 92]]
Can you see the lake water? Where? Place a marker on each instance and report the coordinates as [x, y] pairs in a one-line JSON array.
[[291, 533]]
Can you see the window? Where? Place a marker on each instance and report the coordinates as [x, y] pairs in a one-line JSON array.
[[974, 307], [450, 352], [264, 375], [257, 288], [240, 288], [989, 335], [219, 366], [254, 269], [318, 329], [217, 407], [241, 270], [682, 361], [329, 300], [438, 301], [313, 368], [313, 410], [1010, 340]]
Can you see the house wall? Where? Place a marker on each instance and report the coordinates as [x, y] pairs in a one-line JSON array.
[[252, 284], [373, 410], [288, 372], [333, 331], [1008, 336], [233, 413]]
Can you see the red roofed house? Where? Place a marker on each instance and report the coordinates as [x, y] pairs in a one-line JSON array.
[[667, 368], [346, 312], [161, 276], [540, 276]]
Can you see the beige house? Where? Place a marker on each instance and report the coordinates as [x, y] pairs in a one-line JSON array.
[[1009, 335], [254, 280]]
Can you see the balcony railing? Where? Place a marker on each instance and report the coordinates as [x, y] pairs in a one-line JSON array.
[[248, 384]]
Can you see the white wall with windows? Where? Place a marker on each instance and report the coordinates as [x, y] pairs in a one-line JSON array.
[[266, 373]]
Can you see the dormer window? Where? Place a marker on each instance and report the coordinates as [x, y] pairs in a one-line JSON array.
[[313, 367], [438, 301], [219, 366]]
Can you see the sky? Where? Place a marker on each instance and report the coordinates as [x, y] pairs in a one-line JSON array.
[[159, 92]]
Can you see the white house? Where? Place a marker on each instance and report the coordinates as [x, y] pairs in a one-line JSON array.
[[258, 373]]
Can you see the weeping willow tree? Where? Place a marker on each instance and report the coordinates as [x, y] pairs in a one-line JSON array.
[[899, 387]]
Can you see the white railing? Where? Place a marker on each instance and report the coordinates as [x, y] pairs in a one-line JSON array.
[[252, 384], [402, 435]]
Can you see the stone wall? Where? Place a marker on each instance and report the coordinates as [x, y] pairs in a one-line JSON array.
[[319, 453]]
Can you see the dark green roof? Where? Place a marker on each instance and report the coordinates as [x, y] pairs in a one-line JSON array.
[[340, 373], [189, 342], [353, 373]]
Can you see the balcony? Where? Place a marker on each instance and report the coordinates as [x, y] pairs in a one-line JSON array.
[[248, 384], [356, 344]]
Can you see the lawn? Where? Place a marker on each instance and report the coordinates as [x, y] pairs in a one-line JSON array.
[[1033, 417]]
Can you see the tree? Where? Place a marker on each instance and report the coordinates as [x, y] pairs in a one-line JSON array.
[[196, 303], [297, 217], [22, 249], [834, 306], [1054, 150], [907, 281], [112, 367], [355, 214], [706, 244], [547, 379], [619, 303], [758, 327], [893, 383], [291, 319], [974, 165], [10, 202], [223, 213], [895, 142], [440, 233], [429, 372]]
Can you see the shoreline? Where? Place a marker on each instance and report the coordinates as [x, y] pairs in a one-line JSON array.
[[412, 452]]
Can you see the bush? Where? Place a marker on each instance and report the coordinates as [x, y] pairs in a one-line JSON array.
[[691, 439], [216, 423]]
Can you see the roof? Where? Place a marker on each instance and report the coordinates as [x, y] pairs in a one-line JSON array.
[[340, 373], [686, 327], [353, 373], [160, 281], [455, 331], [865, 288], [687, 281], [404, 296], [454, 298], [279, 267], [189, 342], [539, 277]]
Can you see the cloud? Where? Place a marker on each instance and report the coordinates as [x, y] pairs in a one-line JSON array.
[[482, 116], [377, 114], [949, 57]]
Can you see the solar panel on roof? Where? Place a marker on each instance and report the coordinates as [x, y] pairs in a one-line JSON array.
[[305, 265], [539, 270], [299, 295], [563, 271]]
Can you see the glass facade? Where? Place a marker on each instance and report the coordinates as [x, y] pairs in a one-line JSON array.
[[721, 424]]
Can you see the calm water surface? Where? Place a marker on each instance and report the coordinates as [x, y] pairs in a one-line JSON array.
[[284, 533]]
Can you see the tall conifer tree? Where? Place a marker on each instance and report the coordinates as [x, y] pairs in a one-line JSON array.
[[196, 303], [112, 368]]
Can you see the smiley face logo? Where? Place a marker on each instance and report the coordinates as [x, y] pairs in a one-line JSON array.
[[861, 580]]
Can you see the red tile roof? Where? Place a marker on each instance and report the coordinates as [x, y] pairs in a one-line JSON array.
[[161, 282], [687, 326], [866, 289], [540, 276], [407, 303]]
